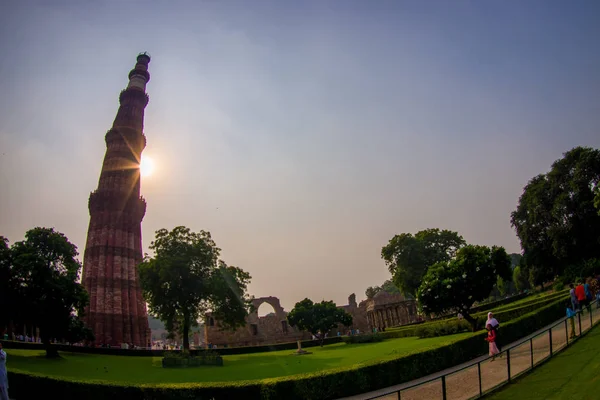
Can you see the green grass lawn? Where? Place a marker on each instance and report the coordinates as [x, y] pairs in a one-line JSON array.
[[573, 374], [237, 367]]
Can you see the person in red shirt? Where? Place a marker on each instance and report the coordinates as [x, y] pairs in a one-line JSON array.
[[581, 297], [491, 338]]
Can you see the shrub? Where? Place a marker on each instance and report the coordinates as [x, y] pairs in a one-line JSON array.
[[324, 385], [443, 328], [184, 359], [160, 353], [369, 338]]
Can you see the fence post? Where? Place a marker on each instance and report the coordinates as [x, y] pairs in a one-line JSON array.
[[550, 337], [591, 320], [566, 332], [508, 362], [444, 387], [479, 374], [579, 319], [531, 351]]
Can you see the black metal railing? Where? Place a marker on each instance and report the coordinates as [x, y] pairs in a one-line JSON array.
[[483, 376]]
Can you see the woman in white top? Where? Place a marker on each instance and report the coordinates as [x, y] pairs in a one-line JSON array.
[[495, 325]]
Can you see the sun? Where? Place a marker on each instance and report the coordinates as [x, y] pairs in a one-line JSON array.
[[146, 166]]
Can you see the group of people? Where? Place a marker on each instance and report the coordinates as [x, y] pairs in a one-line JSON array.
[[582, 296]]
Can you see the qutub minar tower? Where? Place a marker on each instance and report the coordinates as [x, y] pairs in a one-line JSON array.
[[117, 312]]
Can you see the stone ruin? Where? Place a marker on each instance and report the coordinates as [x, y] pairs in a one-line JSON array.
[[384, 310], [270, 329]]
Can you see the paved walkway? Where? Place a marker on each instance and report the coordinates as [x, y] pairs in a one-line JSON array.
[[389, 391]]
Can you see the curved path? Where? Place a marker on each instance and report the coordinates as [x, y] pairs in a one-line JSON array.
[[463, 383]]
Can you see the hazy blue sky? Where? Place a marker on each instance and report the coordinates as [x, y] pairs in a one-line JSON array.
[[319, 129]]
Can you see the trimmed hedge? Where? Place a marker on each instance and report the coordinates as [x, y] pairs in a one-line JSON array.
[[323, 385], [369, 338], [159, 353], [453, 326]]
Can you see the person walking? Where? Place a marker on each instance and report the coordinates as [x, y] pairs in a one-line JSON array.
[[3, 375], [574, 301], [491, 339], [581, 297], [495, 325]]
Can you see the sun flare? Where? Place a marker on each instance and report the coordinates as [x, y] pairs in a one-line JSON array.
[[146, 166]]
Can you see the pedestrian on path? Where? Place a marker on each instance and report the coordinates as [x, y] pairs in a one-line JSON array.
[[3, 375], [571, 315], [491, 338], [495, 325], [582, 298], [574, 301]]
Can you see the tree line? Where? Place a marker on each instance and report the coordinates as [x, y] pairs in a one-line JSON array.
[[557, 221], [40, 289]]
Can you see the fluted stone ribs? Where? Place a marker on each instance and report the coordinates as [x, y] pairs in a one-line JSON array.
[[117, 312]]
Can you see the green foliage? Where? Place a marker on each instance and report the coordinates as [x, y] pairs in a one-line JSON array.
[[318, 317], [342, 382], [388, 287], [454, 286], [185, 279], [45, 273], [556, 220], [520, 279], [8, 294], [185, 358], [408, 256], [515, 259], [443, 328], [369, 338]]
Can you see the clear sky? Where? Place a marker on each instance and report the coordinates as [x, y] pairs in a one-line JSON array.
[[302, 134]]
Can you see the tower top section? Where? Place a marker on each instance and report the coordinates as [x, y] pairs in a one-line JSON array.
[[139, 75]]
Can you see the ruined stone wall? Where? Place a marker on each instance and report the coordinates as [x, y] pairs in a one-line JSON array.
[[269, 329]]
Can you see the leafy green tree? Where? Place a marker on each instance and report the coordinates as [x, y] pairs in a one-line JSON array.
[[318, 317], [388, 287], [597, 198], [515, 259], [185, 279], [556, 220], [7, 293], [46, 272], [408, 256], [453, 286]]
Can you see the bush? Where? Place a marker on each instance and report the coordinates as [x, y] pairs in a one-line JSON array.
[[160, 353], [325, 385], [184, 359], [369, 338], [443, 329]]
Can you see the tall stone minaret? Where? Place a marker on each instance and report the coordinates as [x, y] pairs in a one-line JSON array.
[[117, 312]]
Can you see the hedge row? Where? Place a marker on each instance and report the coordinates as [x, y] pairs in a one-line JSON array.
[[458, 326], [159, 353], [324, 385], [453, 326]]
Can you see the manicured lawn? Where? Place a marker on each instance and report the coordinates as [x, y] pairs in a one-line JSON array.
[[573, 374], [237, 367]]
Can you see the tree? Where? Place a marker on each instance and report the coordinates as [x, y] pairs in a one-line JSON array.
[[408, 256], [318, 317], [556, 220], [515, 259], [521, 278], [453, 286], [185, 279], [7, 294], [46, 272], [388, 287]]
